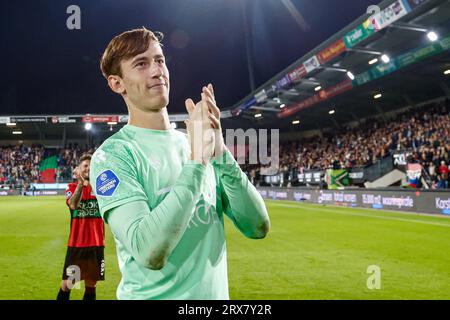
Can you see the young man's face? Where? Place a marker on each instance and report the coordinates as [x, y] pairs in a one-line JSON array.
[[84, 169], [146, 79]]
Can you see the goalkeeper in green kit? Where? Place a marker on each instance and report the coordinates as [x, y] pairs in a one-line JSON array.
[[163, 193]]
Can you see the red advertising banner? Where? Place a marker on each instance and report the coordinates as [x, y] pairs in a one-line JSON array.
[[332, 51], [286, 112], [337, 89], [100, 119], [321, 96]]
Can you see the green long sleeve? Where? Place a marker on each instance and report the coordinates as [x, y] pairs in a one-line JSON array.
[[242, 202], [151, 235]]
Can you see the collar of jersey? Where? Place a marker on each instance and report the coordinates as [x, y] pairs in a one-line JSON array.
[[148, 131]]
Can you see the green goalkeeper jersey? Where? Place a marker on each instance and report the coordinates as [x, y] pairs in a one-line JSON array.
[[157, 200]]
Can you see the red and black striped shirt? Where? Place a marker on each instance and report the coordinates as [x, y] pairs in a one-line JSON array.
[[86, 224]]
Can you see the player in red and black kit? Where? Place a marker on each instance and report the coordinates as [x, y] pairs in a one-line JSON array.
[[85, 252]]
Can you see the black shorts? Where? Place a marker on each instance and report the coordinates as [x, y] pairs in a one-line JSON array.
[[84, 264]]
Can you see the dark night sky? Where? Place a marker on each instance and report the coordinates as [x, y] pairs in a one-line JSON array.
[[50, 69]]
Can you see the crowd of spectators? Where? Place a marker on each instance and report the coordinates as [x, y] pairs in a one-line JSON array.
[[424, 132], [68, 160], [19, 165]]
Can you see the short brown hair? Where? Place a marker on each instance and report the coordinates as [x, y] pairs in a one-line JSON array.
[[124, 46], [85, 156]]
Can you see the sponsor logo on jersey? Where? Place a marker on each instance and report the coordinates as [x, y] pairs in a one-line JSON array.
[[87, 209], [106, 183], [68, 194]]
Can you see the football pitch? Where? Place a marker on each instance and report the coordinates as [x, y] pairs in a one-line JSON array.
[[311, 252]]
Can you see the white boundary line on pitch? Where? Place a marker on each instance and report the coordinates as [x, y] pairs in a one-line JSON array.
[[365, 215]]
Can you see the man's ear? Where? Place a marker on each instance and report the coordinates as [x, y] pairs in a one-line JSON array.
[[116, 84]]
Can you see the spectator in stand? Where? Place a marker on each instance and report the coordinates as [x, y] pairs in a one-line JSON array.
[[440, 183], [444, 173], [431, 170]]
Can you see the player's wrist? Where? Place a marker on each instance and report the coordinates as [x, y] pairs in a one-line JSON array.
[[197, 159]]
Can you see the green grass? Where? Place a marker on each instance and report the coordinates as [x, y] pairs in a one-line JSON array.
[[312, 252]]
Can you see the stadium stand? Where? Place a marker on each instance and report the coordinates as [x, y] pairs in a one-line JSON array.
[[412, 36], [425, 131], [20, 164]]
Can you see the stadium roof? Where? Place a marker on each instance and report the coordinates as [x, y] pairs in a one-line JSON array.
[[415, 72]]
